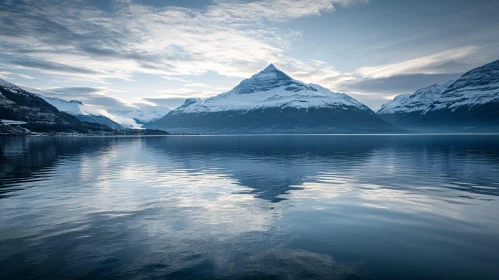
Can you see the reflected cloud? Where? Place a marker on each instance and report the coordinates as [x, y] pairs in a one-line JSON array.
[[269, 167], [235, 206]]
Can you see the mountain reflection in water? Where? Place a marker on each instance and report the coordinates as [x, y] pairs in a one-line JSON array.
[[225, 207]]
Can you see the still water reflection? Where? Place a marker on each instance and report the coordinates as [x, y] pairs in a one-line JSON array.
[[250, 207]]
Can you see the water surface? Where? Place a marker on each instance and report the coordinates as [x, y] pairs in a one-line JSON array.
[[250, 207]]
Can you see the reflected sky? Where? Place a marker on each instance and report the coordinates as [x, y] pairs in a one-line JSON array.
[[216, 207]]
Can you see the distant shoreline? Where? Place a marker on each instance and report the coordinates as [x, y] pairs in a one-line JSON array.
[[257, 135]]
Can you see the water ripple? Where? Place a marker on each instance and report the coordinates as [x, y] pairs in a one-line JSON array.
[[273, 207]]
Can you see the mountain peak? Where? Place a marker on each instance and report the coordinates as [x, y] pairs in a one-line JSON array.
[[271, 72], [267, 79], [270, 68]]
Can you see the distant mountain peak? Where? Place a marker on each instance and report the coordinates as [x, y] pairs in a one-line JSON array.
[[271, 72], [270, 68], [267, 79]]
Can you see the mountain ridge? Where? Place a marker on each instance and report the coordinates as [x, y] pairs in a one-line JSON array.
[[124, 117], [18, 104], [81, 111], [469, 104], [273, 102]]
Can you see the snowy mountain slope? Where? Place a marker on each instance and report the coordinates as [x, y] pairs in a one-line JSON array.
[[406, 109], [73, 107], [81, 111], [419, 101], [272, 102], [271, 88], [477, 87], [471, 103], [125, 116], [17, 104]]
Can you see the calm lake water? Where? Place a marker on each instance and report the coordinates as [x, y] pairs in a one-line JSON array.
[[250, 207]]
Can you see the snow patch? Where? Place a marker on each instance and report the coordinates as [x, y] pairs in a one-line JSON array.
[[11, 122]]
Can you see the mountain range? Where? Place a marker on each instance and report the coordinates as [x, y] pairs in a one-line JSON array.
[[120, 117], [273, 102], [23, 112], [469, 104], [35, 114], [81, 111]]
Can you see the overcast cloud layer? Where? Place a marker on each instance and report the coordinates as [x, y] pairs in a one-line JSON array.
[[125, 52]]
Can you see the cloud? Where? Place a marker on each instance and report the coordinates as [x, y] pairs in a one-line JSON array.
[[439, 63], [197, 85], [8, 75], [83, 42], [170, 102], [50, 66], [276, 10], [232, 38], [88, 95], [186, 92], [76, 90], [397, 84]]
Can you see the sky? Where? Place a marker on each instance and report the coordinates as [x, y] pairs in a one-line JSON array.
[[115, 53]]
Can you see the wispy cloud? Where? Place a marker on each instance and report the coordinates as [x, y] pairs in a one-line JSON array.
[[50, 67], [439, 63], [170, 102], [12, 75], [98, 97], [231, 38]]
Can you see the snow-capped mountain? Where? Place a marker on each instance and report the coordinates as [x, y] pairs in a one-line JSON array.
[[273, 102], [36, 114], [471, 103], [120, 117], [475, 88], [406, 109], [73, 107], [81, 111], [269, 89]]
